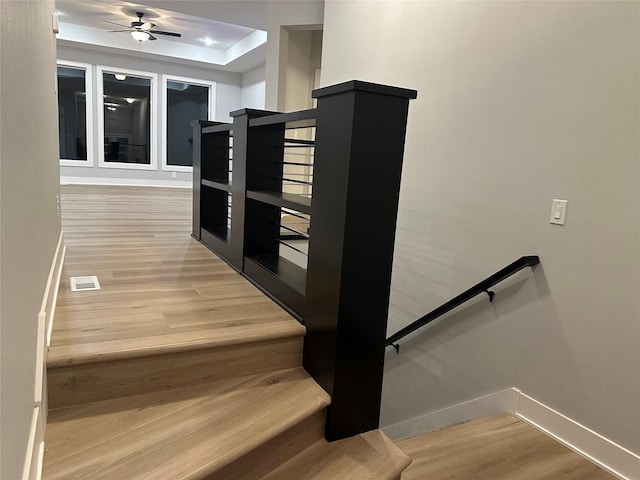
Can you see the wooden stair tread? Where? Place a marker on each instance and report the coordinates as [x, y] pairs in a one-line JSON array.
[[81, 354], [370, 455], [162, 292], [181, 433]]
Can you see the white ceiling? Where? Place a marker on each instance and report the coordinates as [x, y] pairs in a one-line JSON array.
[[207, 35]]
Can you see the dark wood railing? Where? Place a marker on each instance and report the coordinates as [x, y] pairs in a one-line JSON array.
[[285, 198]]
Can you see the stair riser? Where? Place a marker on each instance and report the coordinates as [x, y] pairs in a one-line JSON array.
[[270, 455], [80, 384]]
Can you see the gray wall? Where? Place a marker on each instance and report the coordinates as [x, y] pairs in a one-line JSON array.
[[253, 88], [228, 98], [283, 16], [28, 221], [518, 103]]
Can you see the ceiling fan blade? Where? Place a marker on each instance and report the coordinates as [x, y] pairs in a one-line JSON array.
[[117, 31], [171, 34], [114, 23], [151, 37]]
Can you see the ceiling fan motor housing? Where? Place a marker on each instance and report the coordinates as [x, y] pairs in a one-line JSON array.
[[140, 25]]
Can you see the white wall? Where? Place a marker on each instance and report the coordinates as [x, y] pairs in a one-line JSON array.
[[228, 98], [518, 103], [253, 88], [304, 50], [282, 16], [28, 220]]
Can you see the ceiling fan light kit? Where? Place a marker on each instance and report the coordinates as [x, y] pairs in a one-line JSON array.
[[140, 35]]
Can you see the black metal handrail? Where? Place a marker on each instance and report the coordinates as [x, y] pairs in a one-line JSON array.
[[482, 287]]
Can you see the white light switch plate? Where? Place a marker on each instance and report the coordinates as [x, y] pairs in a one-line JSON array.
[[558, 212]]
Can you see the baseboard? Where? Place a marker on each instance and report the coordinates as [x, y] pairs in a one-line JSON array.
[[482, 407], [603, 452], [32, 468], [611, 457], [130, 182], [40, 465], [31, 460], [53, 285]]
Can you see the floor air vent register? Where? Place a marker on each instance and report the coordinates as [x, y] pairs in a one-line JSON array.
[[79, 284]]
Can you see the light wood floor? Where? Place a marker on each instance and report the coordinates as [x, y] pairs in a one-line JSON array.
[[161, 289], [496, 448]]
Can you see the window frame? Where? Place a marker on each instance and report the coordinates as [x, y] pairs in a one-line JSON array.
[[153, 117], [164, 103], [88, 93]]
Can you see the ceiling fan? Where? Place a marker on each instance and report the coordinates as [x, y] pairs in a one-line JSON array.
[[143, 31]]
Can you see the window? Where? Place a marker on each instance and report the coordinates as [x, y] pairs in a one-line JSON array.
[[185, 100], [126, 119], [75, 115]]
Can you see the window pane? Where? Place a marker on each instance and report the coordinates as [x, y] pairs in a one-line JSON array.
[[127, 119], [72, 113], [185, 103]]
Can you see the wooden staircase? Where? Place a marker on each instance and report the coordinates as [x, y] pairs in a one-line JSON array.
[[230, 427], [178, 368]]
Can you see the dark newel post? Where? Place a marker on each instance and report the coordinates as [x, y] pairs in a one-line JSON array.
[[360, 134]]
